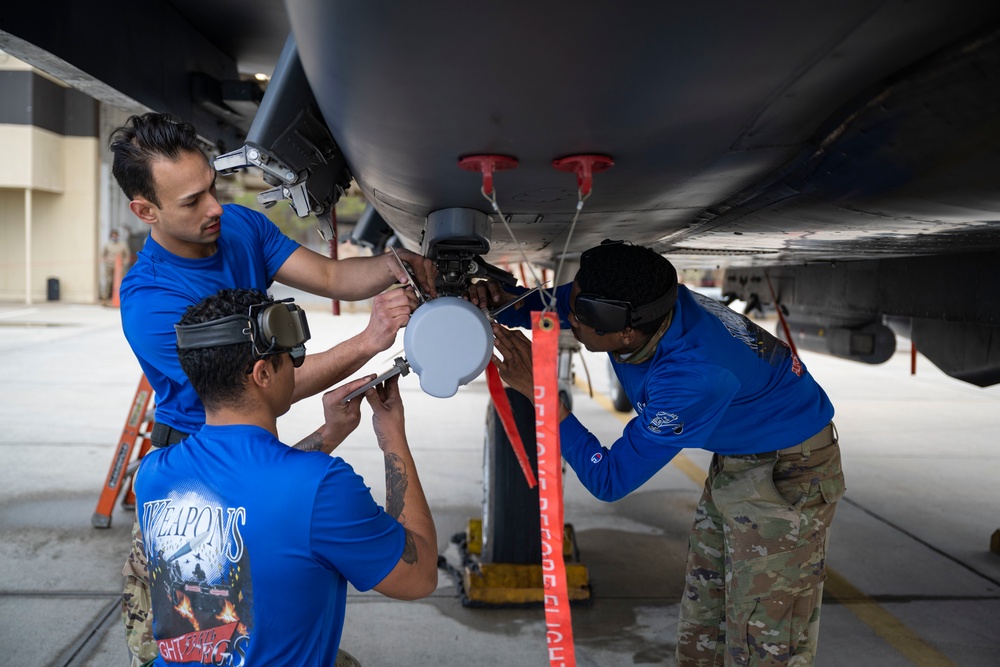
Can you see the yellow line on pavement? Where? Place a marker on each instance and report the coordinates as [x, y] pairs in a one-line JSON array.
[[870, 612], [885, 625]]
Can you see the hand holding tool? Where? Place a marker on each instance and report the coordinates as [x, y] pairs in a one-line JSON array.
[[409, 272], [399, 367], [491, 315]]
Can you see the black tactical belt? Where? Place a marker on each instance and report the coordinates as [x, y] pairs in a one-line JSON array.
[[164, 435]]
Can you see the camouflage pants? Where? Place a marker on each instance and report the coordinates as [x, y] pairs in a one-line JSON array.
[[137, 609], [136, 603], [756, 559]]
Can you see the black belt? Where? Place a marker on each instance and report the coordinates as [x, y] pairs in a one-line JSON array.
[[164, 435]]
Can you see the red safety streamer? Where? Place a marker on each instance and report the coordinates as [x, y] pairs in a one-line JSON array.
[[781, 317], [545, 360], [506, 414]]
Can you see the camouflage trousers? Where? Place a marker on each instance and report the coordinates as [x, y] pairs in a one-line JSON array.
[[757, 559], [136, 604], [137, 608]]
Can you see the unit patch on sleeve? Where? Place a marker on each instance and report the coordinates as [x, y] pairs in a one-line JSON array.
[[666, 420]]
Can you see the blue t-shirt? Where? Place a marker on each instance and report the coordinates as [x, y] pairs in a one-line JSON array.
[[716, 381], [160, 287], [251, 544]]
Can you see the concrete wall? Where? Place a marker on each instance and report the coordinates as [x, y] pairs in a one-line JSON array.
[[62, 175], [49, 188], [11, 244]]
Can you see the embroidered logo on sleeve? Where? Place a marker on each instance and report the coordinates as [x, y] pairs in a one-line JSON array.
[[596, 458], [664, 420]]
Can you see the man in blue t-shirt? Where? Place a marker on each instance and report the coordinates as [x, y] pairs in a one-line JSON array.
[[702, 376], [195, 248], [241, 577]]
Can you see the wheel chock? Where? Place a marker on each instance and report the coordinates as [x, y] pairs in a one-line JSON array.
[[474, 540], [508, 585], [498, 584]]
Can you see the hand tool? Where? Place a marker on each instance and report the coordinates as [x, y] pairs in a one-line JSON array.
[[399, 367]]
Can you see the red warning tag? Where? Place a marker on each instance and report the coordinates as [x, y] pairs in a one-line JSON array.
[[545, 359], [506, 414]]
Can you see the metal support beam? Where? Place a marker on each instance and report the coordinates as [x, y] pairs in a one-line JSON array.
[[149, 66]]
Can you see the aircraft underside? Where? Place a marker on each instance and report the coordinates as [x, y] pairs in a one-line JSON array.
[[846, 150]]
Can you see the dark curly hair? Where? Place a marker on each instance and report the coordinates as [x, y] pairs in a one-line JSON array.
[[142, 140], [637, 274], [219, 374]]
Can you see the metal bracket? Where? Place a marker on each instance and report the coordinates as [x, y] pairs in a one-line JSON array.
[[291, 144], [248, 156], [298, 195]]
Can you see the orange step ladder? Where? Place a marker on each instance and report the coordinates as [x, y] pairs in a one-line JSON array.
[[138, 424]]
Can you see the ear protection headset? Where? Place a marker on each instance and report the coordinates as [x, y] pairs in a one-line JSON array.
[[272, 328]]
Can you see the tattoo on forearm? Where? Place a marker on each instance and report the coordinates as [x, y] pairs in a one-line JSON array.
[[395, 486], [396, 482], [410, 549], [312, 442]]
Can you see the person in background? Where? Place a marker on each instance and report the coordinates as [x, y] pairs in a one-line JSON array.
[[112, 252]]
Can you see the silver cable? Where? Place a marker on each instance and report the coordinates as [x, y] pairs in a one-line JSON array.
[[548, 296]]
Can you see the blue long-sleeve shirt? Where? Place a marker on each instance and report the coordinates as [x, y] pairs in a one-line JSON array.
[[716, 381]]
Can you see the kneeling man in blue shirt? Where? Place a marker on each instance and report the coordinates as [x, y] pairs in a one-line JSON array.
[[251, 543]]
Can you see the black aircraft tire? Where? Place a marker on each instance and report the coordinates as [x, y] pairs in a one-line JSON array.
[[618, 397], [510, 508]]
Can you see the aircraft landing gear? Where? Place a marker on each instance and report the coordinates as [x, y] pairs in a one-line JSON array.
[[510, 508]]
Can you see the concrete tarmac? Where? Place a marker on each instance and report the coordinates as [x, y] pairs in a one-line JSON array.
[[912, 579]]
